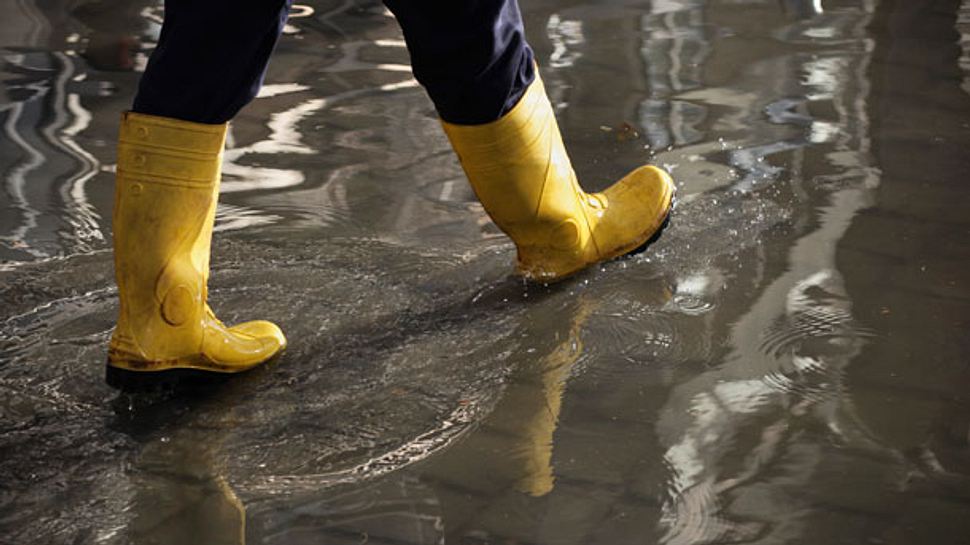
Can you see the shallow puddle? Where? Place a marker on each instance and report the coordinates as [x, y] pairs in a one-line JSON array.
[[787, 364]]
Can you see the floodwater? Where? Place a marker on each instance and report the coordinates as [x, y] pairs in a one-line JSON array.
[[790, 363]]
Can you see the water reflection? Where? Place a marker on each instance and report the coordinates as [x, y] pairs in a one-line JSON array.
[[190, 502], [803, 8], [43, 116], [675, 46], [785, 363], [66, 83], [729, 428], [182, 484], [55, 66], [444, 499], [915, 369]]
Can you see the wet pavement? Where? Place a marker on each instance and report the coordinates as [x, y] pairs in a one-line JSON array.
[[790, 363]]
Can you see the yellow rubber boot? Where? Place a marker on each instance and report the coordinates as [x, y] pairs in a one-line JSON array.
[[521, 173], [166, 190]]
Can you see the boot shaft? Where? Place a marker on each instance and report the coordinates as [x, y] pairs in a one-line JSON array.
[[520, 171], [166, 191]]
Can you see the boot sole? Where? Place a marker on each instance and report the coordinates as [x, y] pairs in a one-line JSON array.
[[173, 378], [169, 379]]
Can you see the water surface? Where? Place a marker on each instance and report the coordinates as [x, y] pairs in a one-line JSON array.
[[788, 364]]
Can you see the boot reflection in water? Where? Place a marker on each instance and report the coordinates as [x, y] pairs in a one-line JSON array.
[[483, 476], [188, 504], [534, 417], [473, 60]]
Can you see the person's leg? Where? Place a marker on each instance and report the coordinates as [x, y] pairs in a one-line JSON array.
[[473, 59], [470, 55], [209, 64], [210, 59]]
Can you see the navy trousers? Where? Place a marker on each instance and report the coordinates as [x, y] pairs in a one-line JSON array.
[[470, 55]]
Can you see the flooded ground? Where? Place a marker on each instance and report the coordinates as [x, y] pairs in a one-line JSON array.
[[789, 364]]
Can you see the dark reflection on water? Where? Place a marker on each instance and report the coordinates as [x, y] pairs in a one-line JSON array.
[[787, 365]]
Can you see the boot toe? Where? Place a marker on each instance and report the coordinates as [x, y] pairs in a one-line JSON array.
[[637, 207], [642, 198], [269, 333]]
